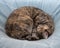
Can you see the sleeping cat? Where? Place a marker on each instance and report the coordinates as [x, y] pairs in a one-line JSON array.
[[29, 23]]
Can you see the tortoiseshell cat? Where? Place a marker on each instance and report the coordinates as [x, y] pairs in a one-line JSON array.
[[29, 23]]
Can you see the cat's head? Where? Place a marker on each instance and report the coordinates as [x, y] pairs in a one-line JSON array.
[[43, 30]]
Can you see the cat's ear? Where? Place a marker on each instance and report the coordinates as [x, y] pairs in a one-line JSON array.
[[45, 35]]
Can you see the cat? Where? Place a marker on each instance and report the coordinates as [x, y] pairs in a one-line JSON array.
[[29, 23]]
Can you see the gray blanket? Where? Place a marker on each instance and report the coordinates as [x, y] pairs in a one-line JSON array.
[[52, 7]]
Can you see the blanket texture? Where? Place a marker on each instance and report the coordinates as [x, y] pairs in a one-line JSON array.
[[51, 7]]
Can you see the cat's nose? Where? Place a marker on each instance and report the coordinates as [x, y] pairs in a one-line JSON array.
[[45, 35]]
